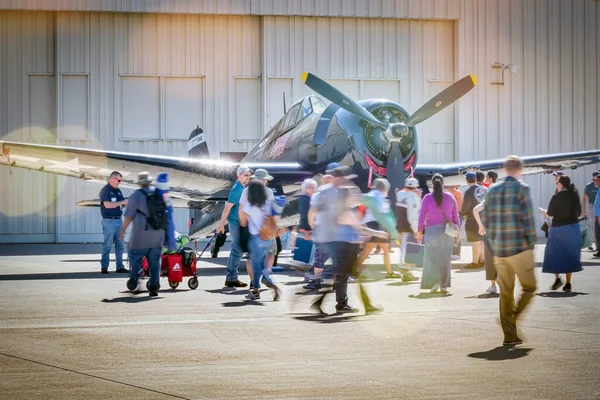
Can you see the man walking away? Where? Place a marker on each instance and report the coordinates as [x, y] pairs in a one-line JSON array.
[[589, 196], [510, 226], [111, 204], [150, 218], [232, 216], [473, 196]]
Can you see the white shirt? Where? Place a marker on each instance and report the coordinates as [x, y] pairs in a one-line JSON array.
[[256, 216]]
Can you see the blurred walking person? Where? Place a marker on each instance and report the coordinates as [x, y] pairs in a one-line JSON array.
[[437, 210], [339, 230], [380, 191], [321, 251], [563, 249], [509, 222]]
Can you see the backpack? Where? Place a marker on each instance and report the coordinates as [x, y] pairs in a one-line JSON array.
[[158, 215], [268, 230]]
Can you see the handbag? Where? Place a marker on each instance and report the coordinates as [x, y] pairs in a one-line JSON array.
[[452, 229], [268, 230]]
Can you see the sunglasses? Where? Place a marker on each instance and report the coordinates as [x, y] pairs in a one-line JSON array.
[[118, 180]]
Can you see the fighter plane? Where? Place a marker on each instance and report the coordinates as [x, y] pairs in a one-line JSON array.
[[376, 138]]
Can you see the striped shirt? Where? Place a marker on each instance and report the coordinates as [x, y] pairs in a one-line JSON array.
[[508, 218]]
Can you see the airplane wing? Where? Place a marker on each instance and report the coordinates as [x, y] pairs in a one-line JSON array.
[[199, 179], [545, 163]]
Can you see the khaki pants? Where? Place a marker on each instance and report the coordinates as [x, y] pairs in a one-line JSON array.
[[523, 266]]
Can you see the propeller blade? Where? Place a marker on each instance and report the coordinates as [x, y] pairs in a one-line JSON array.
[[442, 100], [336, 97], [395, 172], [320, 135]]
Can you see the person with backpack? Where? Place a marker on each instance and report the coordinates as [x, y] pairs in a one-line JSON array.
[[147, 212]]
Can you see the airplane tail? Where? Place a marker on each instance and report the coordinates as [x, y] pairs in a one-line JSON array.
[[197, 147]]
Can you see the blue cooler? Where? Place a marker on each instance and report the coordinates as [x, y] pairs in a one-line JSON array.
[[303, 250], [415, 252]]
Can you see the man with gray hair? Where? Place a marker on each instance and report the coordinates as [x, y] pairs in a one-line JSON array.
[[111, 208], [144, 240], [232, 217]]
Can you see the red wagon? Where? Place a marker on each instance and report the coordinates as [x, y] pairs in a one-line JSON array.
[[175, 266]]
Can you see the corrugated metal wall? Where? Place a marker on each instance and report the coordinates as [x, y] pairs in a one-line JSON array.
[[417, 9], [27, 199], [96, 52], [550, 104]]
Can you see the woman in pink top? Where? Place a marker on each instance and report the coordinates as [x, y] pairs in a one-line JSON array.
[[437, 208]]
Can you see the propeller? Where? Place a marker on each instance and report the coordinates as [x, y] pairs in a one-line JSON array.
[[396, 131], [395, 171]]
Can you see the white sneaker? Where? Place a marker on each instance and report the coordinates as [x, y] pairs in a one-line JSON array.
[[444, 290], [435, 288], [492, 289], [455, 257]]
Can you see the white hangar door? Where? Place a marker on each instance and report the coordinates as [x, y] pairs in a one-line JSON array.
[[405, 61]]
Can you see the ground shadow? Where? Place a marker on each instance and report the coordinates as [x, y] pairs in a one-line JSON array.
[[323, 318], [484, 296], [561, 294], [62, 275], [133, 299], [229, 291], [502, 353], [429, 295], [403, 283], [466, 271], [242, 303]]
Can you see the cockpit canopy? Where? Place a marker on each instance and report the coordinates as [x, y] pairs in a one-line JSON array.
[[299, 110]]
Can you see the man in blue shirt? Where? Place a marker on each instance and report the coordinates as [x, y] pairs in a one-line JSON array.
[[587, 205], [231, 215], [111, 208]]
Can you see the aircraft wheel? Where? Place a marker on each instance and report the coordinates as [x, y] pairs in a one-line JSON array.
[[193, 283], [173, 285]]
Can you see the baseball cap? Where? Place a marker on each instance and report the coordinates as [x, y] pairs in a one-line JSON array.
[[556, 173], [261, 174], [242, 170], [412, 183], [595, 173], [471, 176]]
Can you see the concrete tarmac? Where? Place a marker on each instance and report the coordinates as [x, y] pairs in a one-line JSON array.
[[69, 332]]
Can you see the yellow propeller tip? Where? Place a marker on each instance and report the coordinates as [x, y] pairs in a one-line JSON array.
[[474, 79], [304, 76]]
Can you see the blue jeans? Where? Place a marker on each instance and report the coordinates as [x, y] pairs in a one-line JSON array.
[[111, 229], [235, 255], [153, 256], [258, 251]]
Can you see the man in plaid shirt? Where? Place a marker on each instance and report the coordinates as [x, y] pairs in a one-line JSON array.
[[509, 223]]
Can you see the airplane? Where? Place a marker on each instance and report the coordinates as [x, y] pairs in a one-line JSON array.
[[376, 138]]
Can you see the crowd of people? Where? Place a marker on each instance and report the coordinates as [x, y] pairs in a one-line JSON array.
[[496, 215]]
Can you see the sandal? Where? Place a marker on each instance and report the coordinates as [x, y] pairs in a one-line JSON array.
[[393, 276]]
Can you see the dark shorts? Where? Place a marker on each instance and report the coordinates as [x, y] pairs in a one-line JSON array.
[[472, 230], [375, 226]]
